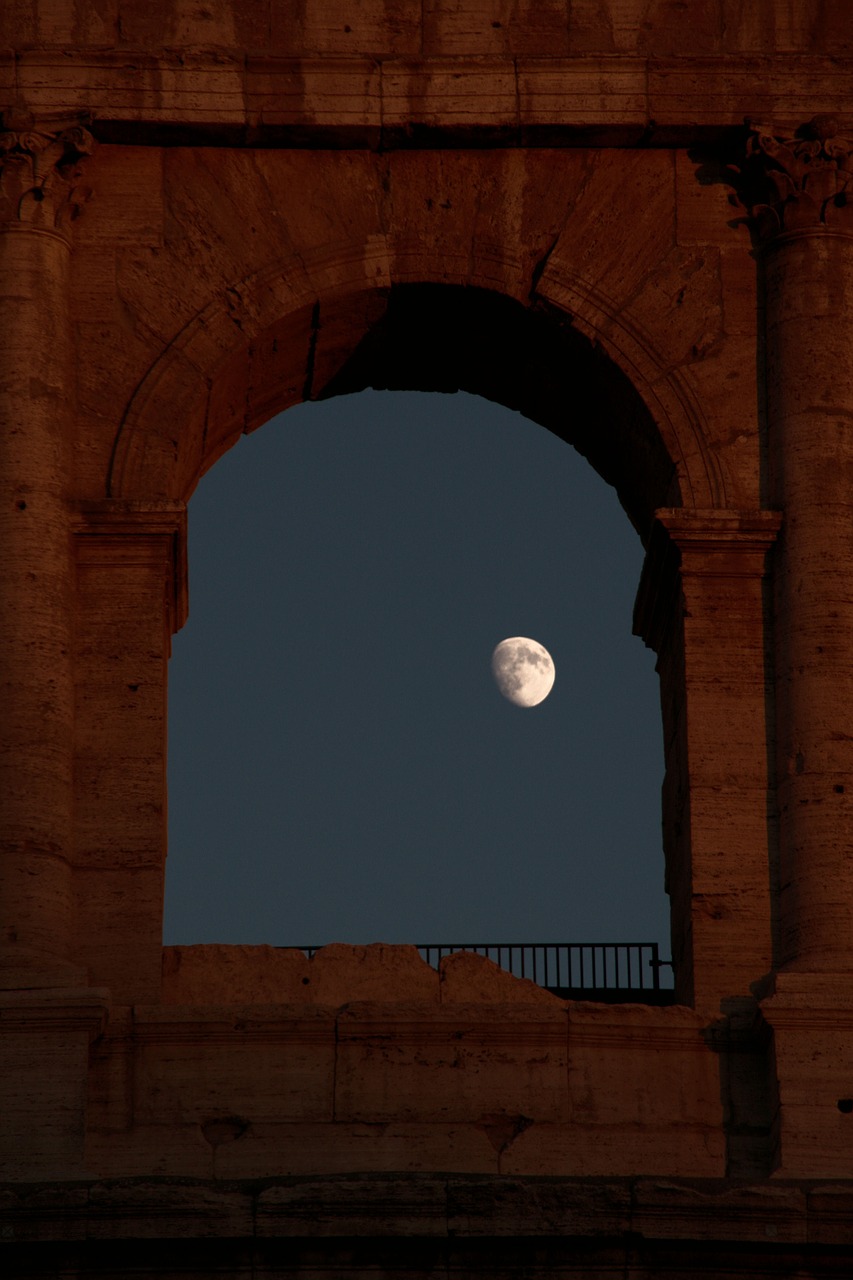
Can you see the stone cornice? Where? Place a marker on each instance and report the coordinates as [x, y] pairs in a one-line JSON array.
[[674, 1028], [475, 1209], [40, 175], [243, 99]]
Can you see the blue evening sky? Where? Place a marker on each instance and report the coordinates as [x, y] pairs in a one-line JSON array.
[[341, 764]]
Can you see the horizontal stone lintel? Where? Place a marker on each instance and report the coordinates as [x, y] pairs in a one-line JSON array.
[[246, 99]]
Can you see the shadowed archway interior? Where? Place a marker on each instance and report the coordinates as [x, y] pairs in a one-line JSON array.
[[432, 337]]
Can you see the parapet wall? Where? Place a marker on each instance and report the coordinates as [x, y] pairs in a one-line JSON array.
[[262, 1063]]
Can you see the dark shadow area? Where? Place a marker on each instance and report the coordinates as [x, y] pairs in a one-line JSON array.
[[448, 338], [749, 1090]]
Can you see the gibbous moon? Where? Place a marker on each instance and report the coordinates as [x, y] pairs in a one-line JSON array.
[[523, 670]]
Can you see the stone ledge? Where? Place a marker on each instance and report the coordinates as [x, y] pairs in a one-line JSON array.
[[249, 100], [55, 1009], [402, 1206]]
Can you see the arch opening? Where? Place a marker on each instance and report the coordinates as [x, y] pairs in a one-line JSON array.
[[227, 375], [485, 525]]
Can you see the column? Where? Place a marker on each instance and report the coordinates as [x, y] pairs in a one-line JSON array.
[[131, 594], [701, 607], [804, 224], [40, 194]]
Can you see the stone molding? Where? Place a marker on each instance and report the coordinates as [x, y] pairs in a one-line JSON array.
[[41, 172], [607, 99], [60, 1009], [106, 528], [809, 1213], [729, 544], [799, 184], [674, 1027]]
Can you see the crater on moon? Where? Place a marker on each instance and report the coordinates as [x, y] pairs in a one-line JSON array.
[[523, 670]]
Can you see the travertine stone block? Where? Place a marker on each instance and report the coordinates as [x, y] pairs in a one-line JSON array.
[[812, 1021], [459, 1064], [173, 1150], [343, 95], [674, 1074], [233, 1062], [131, 596], [211, 974], [452, 93], [271, 1149], [663, 1207], [221, 24], [469, 978], [418, 1206], [594, 94], [44, 1050], [166, 1209], [381, 28], [495, 26], [681, 1149]]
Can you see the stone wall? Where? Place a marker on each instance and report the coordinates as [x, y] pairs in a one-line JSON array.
[[209, 212], [438, 28]]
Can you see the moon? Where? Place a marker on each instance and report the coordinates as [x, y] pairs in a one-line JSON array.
[[523, 671]]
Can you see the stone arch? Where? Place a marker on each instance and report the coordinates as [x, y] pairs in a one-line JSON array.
[[599, 373], [263, 344]]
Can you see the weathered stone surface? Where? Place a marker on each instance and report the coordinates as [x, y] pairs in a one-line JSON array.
[[427, 1207], [471, 979], [775, 1213], [44, 1050], [339, 1148], [418, 1206], [166, 1208], [537, 202], [463, 1063], [208, 1066], [233, 975]]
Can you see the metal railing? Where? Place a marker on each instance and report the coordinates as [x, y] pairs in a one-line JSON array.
[[610, 972]]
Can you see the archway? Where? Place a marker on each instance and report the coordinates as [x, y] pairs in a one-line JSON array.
[[250, 355], [342, 768], [241, 362]]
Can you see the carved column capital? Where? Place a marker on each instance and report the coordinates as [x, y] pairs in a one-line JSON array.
[[40, 176], [797, 184]]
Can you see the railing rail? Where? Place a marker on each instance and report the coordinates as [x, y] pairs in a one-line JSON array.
[[604, 971]]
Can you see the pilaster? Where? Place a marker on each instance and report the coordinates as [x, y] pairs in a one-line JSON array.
[[131, 596], [701, 607]]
